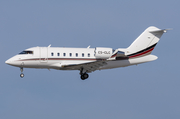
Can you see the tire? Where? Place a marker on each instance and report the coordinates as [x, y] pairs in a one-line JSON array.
[[21, 75], [86, 76], [82, 77]]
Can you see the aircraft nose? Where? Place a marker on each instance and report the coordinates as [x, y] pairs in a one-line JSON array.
[[13, 61], [8, 61]]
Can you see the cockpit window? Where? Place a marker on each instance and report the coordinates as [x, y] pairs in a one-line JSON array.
[[26, 52]]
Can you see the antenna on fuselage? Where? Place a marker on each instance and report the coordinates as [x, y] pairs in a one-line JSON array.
[[89, 46], [49, 46]]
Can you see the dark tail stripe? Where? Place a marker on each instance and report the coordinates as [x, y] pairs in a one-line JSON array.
[[145, 52], [140, 52], [114, 55]]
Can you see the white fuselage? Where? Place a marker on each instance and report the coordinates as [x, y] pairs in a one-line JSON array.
[[87, 60], [55, 58]]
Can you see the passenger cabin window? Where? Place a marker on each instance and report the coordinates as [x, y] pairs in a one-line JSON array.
[[58, 54], [26, 52], [52, 54], [70, 54], [82, 54], [88, 54], [64, 54], [76, 54]]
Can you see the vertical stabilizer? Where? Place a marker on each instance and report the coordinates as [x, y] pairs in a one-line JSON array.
[[148, 39]]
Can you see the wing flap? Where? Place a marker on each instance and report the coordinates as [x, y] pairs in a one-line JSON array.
[[89, 67]]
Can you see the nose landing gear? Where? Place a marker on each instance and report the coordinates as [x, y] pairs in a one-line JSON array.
[[21, 75]]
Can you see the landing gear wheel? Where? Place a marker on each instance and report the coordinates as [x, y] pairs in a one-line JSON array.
[[84, 76], [21, 75]]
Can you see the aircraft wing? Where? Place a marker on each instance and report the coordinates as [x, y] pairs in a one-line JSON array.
[[89, 67]]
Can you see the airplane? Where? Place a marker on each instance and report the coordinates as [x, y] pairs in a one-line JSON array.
[[88, 60]]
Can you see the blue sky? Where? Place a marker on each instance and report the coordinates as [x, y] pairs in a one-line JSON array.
[[146, 91]]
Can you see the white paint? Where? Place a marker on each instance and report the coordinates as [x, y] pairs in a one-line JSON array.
[[90, 59]]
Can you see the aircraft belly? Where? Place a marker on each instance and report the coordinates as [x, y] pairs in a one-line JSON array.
[[34, 64]]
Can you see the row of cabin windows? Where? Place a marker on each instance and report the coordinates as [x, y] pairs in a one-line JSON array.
[[70, 54]]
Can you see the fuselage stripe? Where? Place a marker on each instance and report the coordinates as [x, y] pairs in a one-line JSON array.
[[43, 59], [142, 52], [139, 53]]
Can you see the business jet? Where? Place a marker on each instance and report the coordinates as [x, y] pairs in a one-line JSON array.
[[87, 60]]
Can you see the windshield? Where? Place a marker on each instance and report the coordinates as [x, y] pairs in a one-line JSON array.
[[26, 52]]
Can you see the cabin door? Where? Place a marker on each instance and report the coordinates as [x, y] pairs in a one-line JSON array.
[[43, 54]]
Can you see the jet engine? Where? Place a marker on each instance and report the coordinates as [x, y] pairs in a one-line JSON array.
[[103, 53]]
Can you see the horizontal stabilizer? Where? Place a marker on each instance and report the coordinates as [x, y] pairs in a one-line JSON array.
[[159, 30]]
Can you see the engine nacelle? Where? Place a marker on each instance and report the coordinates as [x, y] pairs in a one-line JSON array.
[[103, 53]]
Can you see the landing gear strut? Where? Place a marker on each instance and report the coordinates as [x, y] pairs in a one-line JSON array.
[[21, 75], [83, 74]]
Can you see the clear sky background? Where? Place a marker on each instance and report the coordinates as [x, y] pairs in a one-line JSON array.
[[146, 91]]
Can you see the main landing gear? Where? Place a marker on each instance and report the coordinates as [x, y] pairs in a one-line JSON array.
[[83, 74], [21, 75]]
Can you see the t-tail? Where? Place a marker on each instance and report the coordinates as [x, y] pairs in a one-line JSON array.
[[145, 43], [140, 50]]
